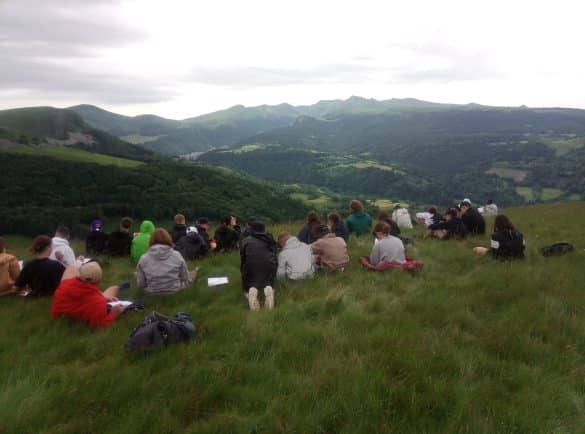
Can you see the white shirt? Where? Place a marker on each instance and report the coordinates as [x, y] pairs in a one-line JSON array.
[[62, 245]]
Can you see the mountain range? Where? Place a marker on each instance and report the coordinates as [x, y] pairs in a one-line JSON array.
[[404, 149]]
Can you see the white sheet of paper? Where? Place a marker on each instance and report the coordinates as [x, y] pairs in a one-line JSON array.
[[124, 303], [216, 281]]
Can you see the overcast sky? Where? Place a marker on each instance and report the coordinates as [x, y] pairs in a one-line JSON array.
[[180, 58]]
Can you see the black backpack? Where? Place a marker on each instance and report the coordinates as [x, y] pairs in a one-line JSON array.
[[158, 330], [557, 249]]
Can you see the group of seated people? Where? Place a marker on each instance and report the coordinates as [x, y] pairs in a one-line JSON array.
[[161, 255]]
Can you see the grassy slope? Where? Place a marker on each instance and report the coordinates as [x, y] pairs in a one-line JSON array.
[[74, 154], [468, 345]]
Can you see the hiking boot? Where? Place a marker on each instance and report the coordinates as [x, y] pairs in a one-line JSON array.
[[253, 299], [269, 297]]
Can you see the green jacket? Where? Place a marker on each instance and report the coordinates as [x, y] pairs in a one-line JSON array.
[[142, 240], [359, 223]]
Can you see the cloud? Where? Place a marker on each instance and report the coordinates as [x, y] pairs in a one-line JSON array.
[[251, 76], [53, 48]]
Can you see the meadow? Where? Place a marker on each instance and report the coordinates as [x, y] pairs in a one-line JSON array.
[[468, 345], [68, 153]]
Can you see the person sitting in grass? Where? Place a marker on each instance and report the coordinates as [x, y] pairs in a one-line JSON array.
[[202, 228], [191, 246], [295, 260], [330, 251], [490, 208], [120, 241], [96, 241], [141, 241], [337, 226], [227, 235], [472, 219], [506, 242], [384, 217], [79, 297], [162, 270], [179, 229], [307, 233], [258, 265], [429, 217], [247, 228], [9, 270], [387, 249], [451, 227], [401, 216], [42, 275], [359, 222], [61, 250]]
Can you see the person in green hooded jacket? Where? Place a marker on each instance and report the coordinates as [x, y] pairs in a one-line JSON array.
[[359, 222], [140, 243]]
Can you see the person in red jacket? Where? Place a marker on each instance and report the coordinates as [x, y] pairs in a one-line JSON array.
[[79, 297]]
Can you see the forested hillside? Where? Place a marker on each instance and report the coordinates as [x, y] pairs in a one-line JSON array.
[[349, 174], [42, 192]]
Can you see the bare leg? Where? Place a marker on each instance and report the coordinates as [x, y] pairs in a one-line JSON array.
[[111, 292], [70, 272]]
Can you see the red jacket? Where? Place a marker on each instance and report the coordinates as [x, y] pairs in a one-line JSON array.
[[82, 301]]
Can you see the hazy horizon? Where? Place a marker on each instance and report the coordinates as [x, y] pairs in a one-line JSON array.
[[185, 59]]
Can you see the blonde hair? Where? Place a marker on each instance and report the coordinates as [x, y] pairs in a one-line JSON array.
[[179, 219]]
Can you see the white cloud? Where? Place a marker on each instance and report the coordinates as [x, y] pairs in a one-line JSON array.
[[180, 58]]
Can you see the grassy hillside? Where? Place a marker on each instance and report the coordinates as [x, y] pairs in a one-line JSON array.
[[469, 345], [48, 125], [74, 154]]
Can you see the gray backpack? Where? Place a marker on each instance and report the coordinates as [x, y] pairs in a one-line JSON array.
[[158, 331]]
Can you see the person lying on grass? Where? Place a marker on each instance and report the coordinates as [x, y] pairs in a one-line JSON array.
[[295, 260], [330, 252], [506, 243], [258, 265], [79, 297], [388, 248]]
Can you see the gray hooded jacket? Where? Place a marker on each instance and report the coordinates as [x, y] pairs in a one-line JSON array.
[[295, 261], [162, 270]]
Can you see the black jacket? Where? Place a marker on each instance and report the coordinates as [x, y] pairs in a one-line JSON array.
[[307, 233], [507, 245], [454, 227], [178, 232], [258, 260], [119, 243], [473, 221], [394, 229], [96, 242], [340, 230], [191, 246], [227, 238]]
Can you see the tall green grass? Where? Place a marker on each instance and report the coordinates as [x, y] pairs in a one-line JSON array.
[[468, 345]]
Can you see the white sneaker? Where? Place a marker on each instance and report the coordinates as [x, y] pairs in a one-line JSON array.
[[253, 299], [269, 297]]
